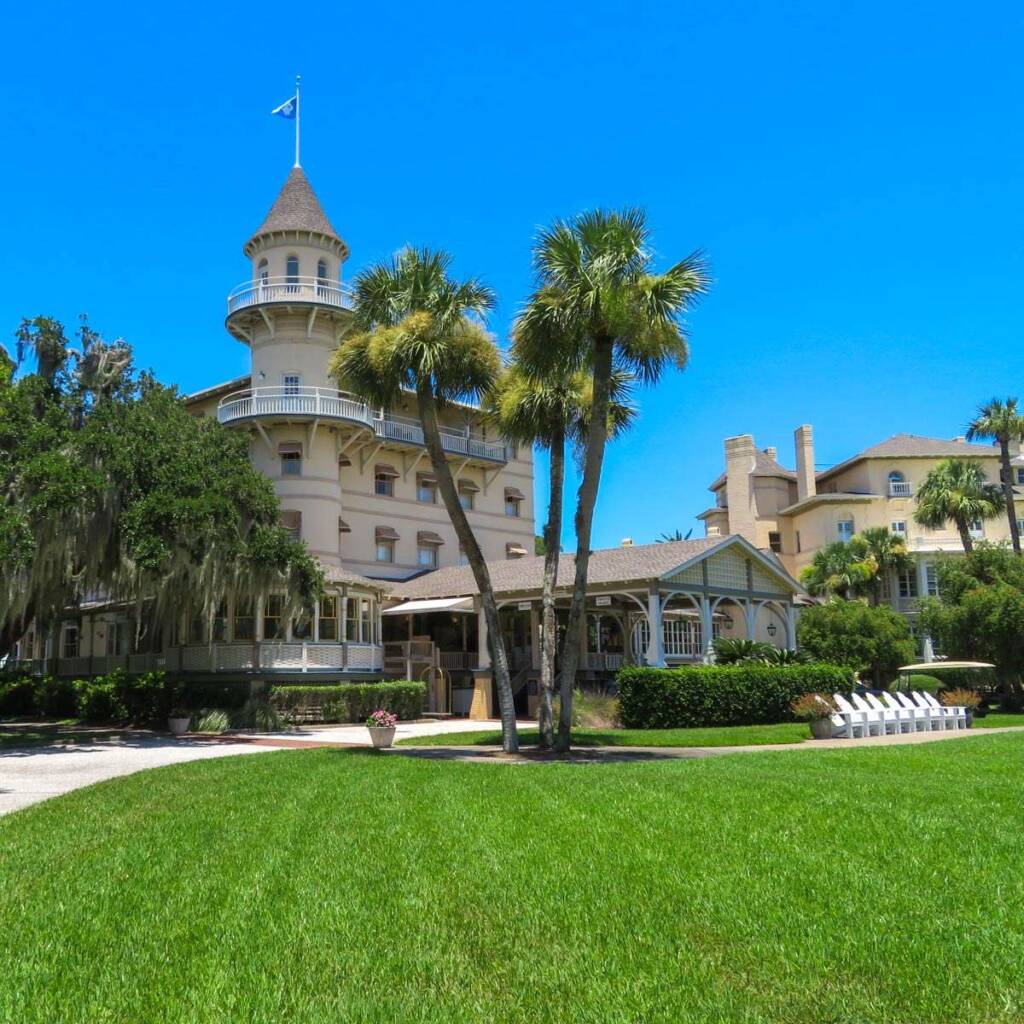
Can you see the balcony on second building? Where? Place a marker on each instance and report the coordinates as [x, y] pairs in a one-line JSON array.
[[291, 403], [289, 290]]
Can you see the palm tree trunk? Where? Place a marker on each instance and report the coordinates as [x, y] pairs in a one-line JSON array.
[[964, 529], [427, 409], [586, 499], [549, 618], [1011, 508]]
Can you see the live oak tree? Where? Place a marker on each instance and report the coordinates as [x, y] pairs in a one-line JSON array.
[[111, 488], [418, 330]]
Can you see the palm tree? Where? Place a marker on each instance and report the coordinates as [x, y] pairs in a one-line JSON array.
[[548, 411], [882, 552], [418, 329], [677, 534], [1000, 421], [837, 569], [957, 489], [612, 312]]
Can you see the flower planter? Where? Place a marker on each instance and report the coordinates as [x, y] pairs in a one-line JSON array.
[[381, 737], [821, 728], [179, 726]]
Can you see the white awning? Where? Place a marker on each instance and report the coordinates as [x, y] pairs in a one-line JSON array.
[[437, 604], [931, 666]]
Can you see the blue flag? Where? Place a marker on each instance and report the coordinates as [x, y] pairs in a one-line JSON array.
[[287, 109]]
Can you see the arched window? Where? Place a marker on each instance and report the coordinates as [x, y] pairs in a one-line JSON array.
[[321, 277], [264, 273], [292, 270], [898, 486]]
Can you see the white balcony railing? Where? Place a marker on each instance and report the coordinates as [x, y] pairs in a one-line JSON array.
[[289, 289], [900, 489], [327, 403]]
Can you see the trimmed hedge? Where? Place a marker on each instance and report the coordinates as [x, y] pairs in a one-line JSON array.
[[353, 702], [115, 698], [713, 695]]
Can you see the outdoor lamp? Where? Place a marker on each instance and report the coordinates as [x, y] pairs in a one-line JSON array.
[[772, 629]]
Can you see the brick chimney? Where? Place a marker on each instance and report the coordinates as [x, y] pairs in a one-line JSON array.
[[803, 440], [739, 464]]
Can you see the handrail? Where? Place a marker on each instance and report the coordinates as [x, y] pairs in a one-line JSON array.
[[289, 289]]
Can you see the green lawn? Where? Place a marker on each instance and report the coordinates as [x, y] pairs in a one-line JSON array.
[[739, 735], [998, 719], [851, 886]]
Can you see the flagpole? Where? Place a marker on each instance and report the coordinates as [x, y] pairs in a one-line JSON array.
[[298, 116]]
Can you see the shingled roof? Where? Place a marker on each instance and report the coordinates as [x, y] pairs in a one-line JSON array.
[[297, 209], [632, 564], [914, 446], [764, 465]]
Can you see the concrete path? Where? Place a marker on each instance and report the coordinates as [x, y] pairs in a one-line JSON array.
[[33, 773]]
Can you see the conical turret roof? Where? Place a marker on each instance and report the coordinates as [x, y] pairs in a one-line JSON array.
[[297, 208]]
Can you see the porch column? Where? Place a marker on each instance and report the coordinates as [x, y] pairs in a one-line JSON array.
[[483, 658], [534, 637], [655, 648], [790, 627], [750, 617], [706, 639]]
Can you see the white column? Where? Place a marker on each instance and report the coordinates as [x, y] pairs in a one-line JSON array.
[[791, 627], [927, 650], [655, 651], [705, 624], [483, 659], [534, 637], [750, 618]]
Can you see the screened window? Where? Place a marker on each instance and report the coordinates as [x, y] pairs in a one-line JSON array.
[[908, 584], [845, 529], [426, 490], [69, 642], [244, 626], [292, 271], [328, 625], [273, 622]]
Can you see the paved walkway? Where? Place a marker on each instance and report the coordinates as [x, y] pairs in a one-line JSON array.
[[34, 773]]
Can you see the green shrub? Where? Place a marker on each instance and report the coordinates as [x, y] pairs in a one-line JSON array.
[[716, 695], [230, 694], [922, 682], [261, 715], [18, 697], [100, 699], [55, 698], [212, 721], [353, 702]]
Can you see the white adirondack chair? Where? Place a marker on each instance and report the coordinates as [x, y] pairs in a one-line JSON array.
[[920, 720], [848, 723], [895, 721], [954, 715], [936, 717], [872, 724], [876, 717]]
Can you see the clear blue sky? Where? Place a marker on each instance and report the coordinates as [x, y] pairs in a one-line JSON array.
[[854, 172]]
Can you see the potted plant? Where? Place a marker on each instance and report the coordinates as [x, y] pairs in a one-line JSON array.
[[178, 720], [381, 725], [967, 699], [817, 710]]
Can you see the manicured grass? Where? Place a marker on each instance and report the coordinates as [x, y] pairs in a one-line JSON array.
[[999, 720], [854, 886], [739, 735]]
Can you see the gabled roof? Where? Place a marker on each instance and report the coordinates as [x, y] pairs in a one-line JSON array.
[[220, 389], [297, 208], [608, 566], [914, 446], [764, 465]]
